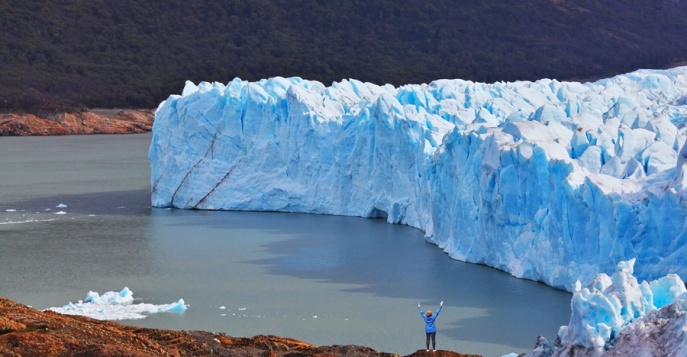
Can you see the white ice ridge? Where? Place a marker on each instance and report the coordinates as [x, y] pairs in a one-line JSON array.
[[617, 316], [550, 181], [116, 306]]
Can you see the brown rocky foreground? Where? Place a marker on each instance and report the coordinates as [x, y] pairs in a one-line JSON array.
[[28, 332], [106, 121]]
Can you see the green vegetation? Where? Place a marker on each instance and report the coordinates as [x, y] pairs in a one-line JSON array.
[[98, 53]]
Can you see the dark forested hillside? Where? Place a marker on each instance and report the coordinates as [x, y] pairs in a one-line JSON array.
[[100, 53]]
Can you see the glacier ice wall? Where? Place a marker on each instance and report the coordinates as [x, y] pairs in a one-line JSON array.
[[550, 181]]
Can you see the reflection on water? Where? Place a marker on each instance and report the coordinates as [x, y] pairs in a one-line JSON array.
[[323, 279]]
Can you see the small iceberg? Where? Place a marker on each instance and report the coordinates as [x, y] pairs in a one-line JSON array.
[[116, 306]]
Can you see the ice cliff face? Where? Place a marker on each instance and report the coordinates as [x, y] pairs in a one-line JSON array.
[[551, 181]]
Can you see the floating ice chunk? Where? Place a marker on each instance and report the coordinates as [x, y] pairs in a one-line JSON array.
[[61, 205], [125, 296], [10, 210], [178, 306], [60, 212], [222, 307], [30, 220], [116, 306]]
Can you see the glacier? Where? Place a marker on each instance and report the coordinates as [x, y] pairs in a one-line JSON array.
[[618, 316], [548, 180]]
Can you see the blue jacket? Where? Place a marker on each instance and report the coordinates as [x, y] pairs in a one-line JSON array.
[[429, 320]]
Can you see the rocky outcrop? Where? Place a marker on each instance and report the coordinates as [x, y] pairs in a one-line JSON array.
[[28, 332], [88, 122]]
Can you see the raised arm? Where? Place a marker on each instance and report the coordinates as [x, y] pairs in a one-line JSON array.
[[441, 304]]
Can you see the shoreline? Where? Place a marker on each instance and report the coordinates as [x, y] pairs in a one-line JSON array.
[[25, 331]]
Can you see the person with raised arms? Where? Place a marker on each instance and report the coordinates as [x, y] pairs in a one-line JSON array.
[[430, 326]]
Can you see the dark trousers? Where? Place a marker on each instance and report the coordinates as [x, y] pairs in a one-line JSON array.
[[432, 335]]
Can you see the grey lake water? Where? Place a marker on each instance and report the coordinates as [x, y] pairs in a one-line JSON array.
[[322, 279]]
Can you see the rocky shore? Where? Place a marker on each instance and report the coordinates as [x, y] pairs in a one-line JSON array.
[[103, 121], [28, 332]]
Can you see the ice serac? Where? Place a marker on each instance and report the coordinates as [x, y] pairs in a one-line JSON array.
[[551, 181], [618, 316]]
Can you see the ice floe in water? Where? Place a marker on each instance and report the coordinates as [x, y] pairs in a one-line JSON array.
[[116, 306]]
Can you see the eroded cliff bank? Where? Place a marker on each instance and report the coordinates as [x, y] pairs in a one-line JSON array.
[[94, 121]]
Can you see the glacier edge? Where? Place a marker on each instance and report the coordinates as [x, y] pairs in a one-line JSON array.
[[549, 181]]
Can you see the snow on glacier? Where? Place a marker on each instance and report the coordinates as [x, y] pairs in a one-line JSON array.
[[116, 306], [547, 180], [618, 316]]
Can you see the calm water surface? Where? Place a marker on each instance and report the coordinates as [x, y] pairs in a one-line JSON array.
[[322, 279]]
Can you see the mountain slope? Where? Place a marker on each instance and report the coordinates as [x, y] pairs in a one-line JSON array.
[[128, 53]]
